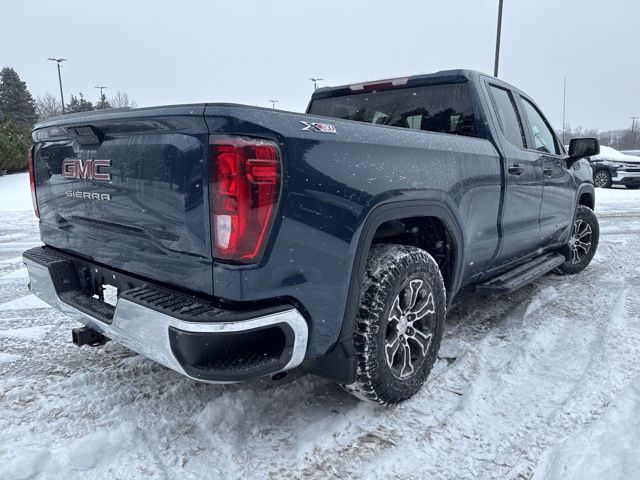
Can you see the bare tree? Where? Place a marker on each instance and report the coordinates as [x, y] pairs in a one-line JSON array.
[[47, 106], [121, 99]]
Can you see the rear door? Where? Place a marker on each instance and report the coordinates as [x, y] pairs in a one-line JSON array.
[[556, 212], [523, 179]]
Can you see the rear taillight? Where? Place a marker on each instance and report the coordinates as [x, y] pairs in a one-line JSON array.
[[32, 181], [245, 183]]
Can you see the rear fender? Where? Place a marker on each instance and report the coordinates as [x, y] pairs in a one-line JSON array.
[[340, 362]]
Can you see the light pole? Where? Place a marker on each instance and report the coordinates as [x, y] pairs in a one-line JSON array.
[[315, 82], [633, 130], [101, 96], [273, 103], [59, 61], [499, 32], [564, 108]]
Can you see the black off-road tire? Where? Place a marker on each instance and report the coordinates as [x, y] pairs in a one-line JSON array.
[[392, 273], [576, 257], [602, 179], [632, 187]]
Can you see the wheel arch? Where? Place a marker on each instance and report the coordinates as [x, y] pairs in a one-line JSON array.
[[586, 196], [339, 363]]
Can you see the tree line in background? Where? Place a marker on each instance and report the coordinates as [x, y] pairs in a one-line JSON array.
[[48, 106], [621, 139], [19, 112]]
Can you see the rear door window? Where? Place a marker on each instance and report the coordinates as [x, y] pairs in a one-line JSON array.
[[436, 108], [510, 122]]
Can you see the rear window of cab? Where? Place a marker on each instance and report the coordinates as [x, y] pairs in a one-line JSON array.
[[443, 108]]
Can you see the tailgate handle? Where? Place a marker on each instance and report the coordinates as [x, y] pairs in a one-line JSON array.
[[87, 134]]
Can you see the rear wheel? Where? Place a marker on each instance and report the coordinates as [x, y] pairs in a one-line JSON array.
[[582, 245], [632, 187], [602, 179], [399, 324]]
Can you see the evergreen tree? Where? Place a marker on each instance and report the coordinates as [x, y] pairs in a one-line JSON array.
[[16, 103], [103, 103], [15, 140], [78, 104]]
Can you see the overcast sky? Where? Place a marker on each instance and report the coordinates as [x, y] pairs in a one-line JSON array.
[[163, 52]]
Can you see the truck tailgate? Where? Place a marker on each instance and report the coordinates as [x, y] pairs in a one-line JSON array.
[[128, 189]]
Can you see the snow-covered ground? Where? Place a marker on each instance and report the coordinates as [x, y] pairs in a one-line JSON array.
[[15, 193], [544, 383]]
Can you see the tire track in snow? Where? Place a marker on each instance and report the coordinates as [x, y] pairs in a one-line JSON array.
[[516, 376], [543, 367]]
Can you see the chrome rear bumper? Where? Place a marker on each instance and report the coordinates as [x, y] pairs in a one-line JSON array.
[[153, 333]]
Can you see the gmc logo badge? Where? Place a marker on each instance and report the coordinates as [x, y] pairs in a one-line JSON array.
[[87, 169]]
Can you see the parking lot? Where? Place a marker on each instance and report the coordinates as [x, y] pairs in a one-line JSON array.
[[544, 380]]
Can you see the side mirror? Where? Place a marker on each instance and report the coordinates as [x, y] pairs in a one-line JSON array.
[[583, 147]]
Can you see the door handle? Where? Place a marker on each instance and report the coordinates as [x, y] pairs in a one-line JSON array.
[[548, 172], [515, 169]]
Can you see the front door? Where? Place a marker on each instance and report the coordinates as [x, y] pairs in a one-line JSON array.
[[523, 182], [556, 212]]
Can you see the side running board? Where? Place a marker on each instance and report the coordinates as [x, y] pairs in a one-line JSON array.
[[521, 275]]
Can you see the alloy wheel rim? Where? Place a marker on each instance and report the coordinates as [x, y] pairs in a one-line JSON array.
[[580, 241], [601, 179], [410, 328]]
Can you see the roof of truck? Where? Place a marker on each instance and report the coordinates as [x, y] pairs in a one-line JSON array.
[[444, 76]]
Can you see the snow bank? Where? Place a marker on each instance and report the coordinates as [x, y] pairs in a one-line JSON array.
[[15, 193], [608, 153]]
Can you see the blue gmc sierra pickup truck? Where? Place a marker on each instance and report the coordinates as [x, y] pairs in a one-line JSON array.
[[230, 242]]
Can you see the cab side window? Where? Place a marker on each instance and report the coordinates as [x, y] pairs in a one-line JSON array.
[[543, 137], [510, 123]]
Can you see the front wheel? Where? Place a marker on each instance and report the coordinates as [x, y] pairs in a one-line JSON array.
[[582, 245], [602, 179], [399, 324]]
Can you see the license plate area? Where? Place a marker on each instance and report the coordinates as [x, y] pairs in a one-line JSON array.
[[97, 289]]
